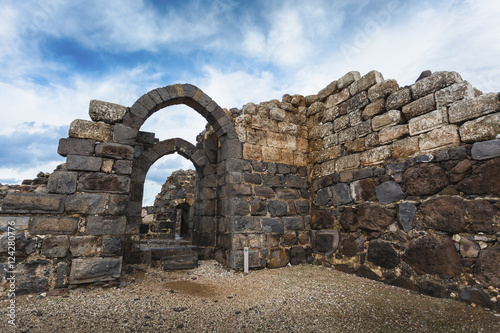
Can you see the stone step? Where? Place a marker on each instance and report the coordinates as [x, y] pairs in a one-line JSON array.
[[181, 261], [145, 244]]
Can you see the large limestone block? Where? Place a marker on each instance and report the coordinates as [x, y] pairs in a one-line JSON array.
[[33, 202], [419, 107], [473, 108], [398, 99], [428, 121], [53, 225], [86, 129], [481, 129], [382, 89], [365, 82], [389, 118], [453, 93], [435, 82], [107, 112], [443, 137]]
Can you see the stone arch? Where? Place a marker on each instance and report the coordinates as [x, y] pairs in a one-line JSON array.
[[204, 221], [187, 94]]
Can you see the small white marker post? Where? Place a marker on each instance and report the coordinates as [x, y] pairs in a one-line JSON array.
[[245, 260]]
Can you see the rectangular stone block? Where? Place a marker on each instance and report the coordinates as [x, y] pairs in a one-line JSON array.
[[364, 128], [84, 246], [435, 82], [398, 99], [63, 182], [389, 118], [356, 102], [481, 129], [327, 91], [86, 203], [405, 147], [55, 247], [347, 79], [443, 137], [83, 163], [86, 129], [473, 108], [271, 154], [123, 167], [277, 114], [124, 134], [44, 225], [419, 107], [375, 156], [33, 202], [382, 90], [373, 109], [114, 150], [390, 134], [453, 93], [71, 146], [348, 162], [355, 117], [276, 140], [337, 98], [107, 112], [428, 121], [347, 135], [106, 225], [365, 82], [16, 222], [102, 182], [87, 270]]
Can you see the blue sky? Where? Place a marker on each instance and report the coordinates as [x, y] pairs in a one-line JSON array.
[[57, 55]]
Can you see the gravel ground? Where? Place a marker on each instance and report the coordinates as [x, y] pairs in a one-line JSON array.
[[212, 298]]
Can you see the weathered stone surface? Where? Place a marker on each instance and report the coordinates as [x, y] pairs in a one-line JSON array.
[[486, 150], [83, 163], [85, 129], [278, 258], [86, 203], [123, 167], [484, 180], [95, 269], [277, 208], [393, 133], [32, 276], [483, 128], [406, 213], [107, 112], [382, 254], [363, 190], [124, 134], [403, 282], [468, 249], [375, 156], [382, 90], [398, 99], [62, 182], [32, 203], [24, 246], [340, 194], [427, 255], [487, 267], [436, 81], [272, 225], [114, 150], [478, 297], [425, 179], [336, 99], [388, 192], [348, 219], [287, 193], [419, 107], [444, 214], [373, 109], [293, 222], [352, 245], [473, 108], [365, 82], [112, 246], [43, 225], [389, 118], [102, 182], [453, 93], [433, 289], [482, 214], [428, 122], [347, 79], [365, 272], [327, 91], [264, 191], [118, 204], [106, 225], [15, 223], [83, 246], [298, 255], [55, 246], [70, 146], [405, 147], [354, 103], [374, 217], [325, 241]]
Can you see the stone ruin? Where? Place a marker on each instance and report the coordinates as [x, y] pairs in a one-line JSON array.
[[397, 184]]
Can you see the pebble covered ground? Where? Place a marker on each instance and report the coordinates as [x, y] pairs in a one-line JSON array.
[[212, 298]]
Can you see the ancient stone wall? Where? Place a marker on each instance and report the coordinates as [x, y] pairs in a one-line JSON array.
[[398, 184]]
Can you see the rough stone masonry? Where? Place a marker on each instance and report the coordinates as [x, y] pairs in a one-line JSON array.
[[398, 184]]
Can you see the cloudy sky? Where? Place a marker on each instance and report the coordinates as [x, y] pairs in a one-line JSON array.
[[57, 55]]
